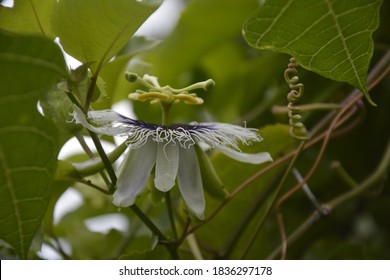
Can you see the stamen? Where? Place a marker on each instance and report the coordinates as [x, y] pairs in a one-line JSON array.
[[166, 94]]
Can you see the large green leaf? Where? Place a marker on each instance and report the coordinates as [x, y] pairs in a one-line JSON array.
[[28, 16], [28, 141], [95, 30], [331, 38]]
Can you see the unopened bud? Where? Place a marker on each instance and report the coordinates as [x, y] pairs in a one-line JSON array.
[[131, 77]]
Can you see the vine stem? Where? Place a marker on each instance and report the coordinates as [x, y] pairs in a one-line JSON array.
[[87, 183], [243, 185], [298, 186], [353, 100], [307, 107], [378, 72], [105, 160], [376, 177], [88, 151], [350, 101], [343, 174]]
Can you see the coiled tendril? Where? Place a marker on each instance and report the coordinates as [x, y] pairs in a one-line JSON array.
[[297, 128]]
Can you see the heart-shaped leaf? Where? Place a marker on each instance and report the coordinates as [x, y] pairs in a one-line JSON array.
[[28, 141], [331, 38]]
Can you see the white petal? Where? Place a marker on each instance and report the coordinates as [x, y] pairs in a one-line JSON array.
[[190, 181], [215, 134], [167, 164], [105, 120], [243, 157], [134, 173]]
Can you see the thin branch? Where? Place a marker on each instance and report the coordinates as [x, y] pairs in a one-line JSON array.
[[328, 134], [88, 151], [343, 174], [375, 178], [306, 189], [374, 77], [284, 197], [379, 71], [307, 107], [169, 205], [170, 246], [106, 161]]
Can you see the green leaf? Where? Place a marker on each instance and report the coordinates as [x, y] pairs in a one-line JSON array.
[[331, 38], [28, 141], [95, 30], [203, 25], [28, 16]]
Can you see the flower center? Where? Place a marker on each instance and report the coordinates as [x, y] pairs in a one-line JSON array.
[[166, 94]]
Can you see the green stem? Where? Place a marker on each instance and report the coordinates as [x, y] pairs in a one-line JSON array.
[[90, 184], [379, 175], [82, 141], [88, 151], [74, 99], [171, 247], [106, 161], [153, 228], [91, 89], [343, 174], [168, 201], [99, 148]]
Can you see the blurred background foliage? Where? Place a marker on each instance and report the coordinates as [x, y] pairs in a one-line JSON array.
[[207, 43]]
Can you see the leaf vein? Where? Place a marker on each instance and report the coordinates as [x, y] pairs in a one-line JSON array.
[[343, 40], [10, 188], [283, 10]]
